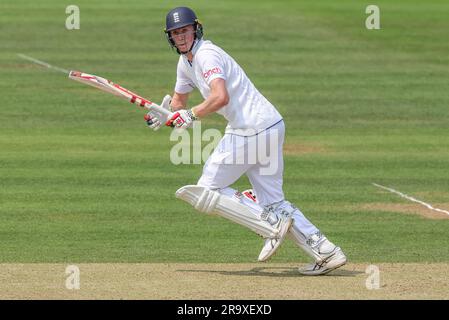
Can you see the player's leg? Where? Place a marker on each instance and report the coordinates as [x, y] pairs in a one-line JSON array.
[[234, 208], [213, 194], [222, 168], [266, 176], [266, 179], [268, 191], [327, 256]]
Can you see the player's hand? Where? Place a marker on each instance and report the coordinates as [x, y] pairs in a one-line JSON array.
[[181, 119], [153, 119]]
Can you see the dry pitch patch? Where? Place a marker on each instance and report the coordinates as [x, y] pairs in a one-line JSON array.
[[408, 208], [223, 281]]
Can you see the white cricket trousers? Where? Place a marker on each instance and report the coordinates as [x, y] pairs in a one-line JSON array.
[[259, 156]]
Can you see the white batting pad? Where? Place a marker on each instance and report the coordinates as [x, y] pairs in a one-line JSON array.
[[301, 241], [210, 201]]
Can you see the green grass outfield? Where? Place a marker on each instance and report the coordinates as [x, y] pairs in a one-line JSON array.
[[83, 180]]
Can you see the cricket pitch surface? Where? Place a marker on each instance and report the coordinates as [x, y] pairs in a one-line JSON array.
[[170, 281]]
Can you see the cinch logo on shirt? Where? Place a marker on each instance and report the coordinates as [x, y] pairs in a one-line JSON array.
[[211, 71]]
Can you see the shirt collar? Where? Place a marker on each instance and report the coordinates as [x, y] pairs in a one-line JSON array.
[[197, 45]]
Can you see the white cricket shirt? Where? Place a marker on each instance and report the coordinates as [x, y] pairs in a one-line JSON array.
[[248, 111]]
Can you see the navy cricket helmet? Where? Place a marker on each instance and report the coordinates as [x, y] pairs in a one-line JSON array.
[[180, 17]]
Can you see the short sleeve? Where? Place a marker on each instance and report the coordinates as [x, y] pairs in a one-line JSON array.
[[212, 66], [183, 83]]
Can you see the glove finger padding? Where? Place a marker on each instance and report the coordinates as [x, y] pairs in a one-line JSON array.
[[152, 121], [155, 119]]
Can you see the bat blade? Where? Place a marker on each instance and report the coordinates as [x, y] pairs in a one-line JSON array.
[[119, 91]]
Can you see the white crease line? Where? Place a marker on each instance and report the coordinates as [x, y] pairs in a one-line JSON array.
[[42, 63], [411, 198]]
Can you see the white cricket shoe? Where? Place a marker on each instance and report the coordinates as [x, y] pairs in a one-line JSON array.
[[331, 258], [272, 244]]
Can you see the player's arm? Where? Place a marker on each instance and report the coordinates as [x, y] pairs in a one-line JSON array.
[[217, 99], [179, 101]]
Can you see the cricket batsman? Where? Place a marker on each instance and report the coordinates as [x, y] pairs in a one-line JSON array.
[[254, 124]]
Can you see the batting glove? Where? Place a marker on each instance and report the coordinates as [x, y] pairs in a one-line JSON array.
[[181, 119], [153, 119]]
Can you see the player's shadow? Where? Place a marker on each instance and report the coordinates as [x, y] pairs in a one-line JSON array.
[[277, 272]]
